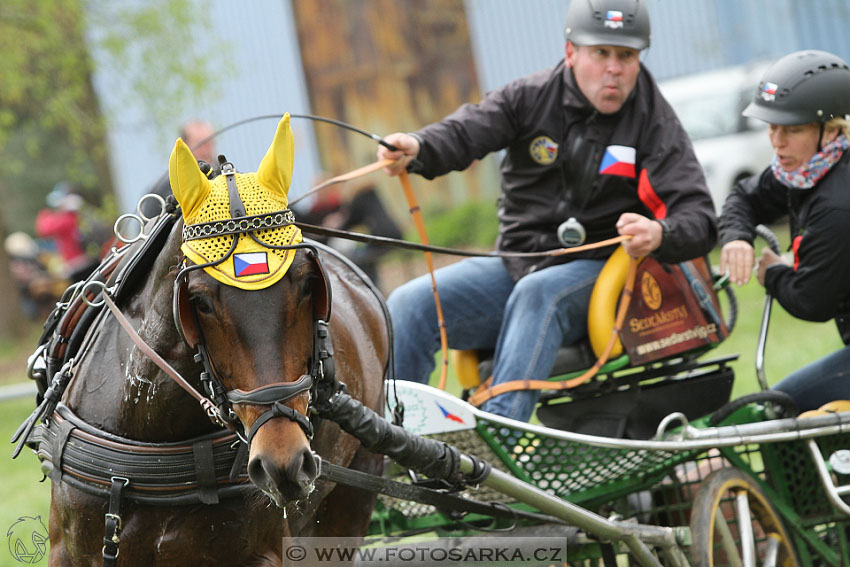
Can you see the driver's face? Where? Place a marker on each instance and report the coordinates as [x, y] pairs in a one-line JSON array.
[[606, 74]]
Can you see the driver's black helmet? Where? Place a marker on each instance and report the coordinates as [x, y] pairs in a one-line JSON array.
[[608, 22], [803, 87]]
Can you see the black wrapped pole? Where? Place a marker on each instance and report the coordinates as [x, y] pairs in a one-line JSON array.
[[432, 458]]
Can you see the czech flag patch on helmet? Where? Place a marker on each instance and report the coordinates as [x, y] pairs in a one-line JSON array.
[[768, 93], [613, 19], [618, 160], [250, 264]]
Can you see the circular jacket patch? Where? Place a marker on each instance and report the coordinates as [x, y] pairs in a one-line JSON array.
[[543, 150]]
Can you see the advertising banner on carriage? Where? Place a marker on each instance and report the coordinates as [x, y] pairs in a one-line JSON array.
[[674, 309]]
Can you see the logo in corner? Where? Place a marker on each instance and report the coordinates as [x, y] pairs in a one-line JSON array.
[[543, 150], [650, 291], [27, 540]]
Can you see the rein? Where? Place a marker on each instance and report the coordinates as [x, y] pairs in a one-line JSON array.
[[484, 392], [206, 404], [425, 247]]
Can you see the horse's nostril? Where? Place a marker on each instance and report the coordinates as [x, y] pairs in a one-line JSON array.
[[304, 469], [259, 473], [310, 467]]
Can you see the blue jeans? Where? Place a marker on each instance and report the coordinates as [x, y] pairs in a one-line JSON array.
[[820, 382], [525, 321]]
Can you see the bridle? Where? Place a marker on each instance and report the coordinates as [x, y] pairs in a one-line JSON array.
[[218, 401], [321, 368]]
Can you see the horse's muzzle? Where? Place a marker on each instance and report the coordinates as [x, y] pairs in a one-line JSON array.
[[288, 482]]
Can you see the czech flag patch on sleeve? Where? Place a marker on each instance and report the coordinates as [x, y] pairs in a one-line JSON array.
[[618, 160], [250, 264]]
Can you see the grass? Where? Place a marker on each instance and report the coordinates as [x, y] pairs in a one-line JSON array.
[[21, 493]]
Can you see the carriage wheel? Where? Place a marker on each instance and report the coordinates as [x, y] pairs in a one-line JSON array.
[[732, 523]]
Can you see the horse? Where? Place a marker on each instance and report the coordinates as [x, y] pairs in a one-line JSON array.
[[258, 339]]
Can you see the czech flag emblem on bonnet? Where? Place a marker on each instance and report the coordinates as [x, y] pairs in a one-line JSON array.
[[255, 262]]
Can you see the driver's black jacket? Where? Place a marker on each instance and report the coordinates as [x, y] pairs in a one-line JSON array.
[[563, 159], [817, 286]]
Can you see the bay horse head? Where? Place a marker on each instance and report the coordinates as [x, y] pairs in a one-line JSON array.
[[253, 301]]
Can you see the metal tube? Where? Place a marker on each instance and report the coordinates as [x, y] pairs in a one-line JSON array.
[[826, 480], [771, 553], [765, 320], [745, 529], [726, 539], [635, 536], [772, 431]]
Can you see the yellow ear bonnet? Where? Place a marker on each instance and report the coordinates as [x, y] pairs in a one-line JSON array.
[[206, 213]]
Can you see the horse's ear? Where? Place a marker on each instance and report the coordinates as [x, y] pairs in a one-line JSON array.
[[275, 171], [188, 183]]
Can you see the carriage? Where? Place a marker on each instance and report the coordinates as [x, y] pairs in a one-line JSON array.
[[616, 474]]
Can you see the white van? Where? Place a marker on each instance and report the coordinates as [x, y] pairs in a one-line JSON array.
[[728, 145]]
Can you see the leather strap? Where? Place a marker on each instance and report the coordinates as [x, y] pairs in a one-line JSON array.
[[111, 538], [416, 214], [280, 410], [202, 452], [440, 500], [267, 395], [359, 172], [486, 392], [206, 404], [65, 429]]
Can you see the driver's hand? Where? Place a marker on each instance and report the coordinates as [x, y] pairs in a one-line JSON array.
[[737, 258], [646, 234], [408, 149], [768, 259]]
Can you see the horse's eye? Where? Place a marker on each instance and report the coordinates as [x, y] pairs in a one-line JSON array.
[[201, 303]]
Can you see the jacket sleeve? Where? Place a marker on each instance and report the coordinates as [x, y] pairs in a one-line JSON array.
[[814, 290], [672, 185], [759, 199], [471, 132], [50, 224]]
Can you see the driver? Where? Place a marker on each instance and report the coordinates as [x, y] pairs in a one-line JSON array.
[[589, 142], [805, 99]]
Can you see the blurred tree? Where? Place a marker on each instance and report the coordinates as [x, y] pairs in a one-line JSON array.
[[51, 123]]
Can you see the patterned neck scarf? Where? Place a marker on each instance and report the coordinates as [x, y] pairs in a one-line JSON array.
[[807, 175]]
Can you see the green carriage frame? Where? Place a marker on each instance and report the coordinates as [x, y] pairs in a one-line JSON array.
[[640, 494]]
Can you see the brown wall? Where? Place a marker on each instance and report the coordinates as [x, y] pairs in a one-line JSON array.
[[387, 66]]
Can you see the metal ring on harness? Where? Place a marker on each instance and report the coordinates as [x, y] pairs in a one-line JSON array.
[[158, 199], [125, 239], [85, 287]]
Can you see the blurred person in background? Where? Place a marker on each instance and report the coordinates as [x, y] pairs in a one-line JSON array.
[[38, 290], [198, 135], [364, 212], [593, 147], [805, 99], [60, 223]]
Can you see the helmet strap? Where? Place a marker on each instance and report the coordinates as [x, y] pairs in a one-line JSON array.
[[820, 136]]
